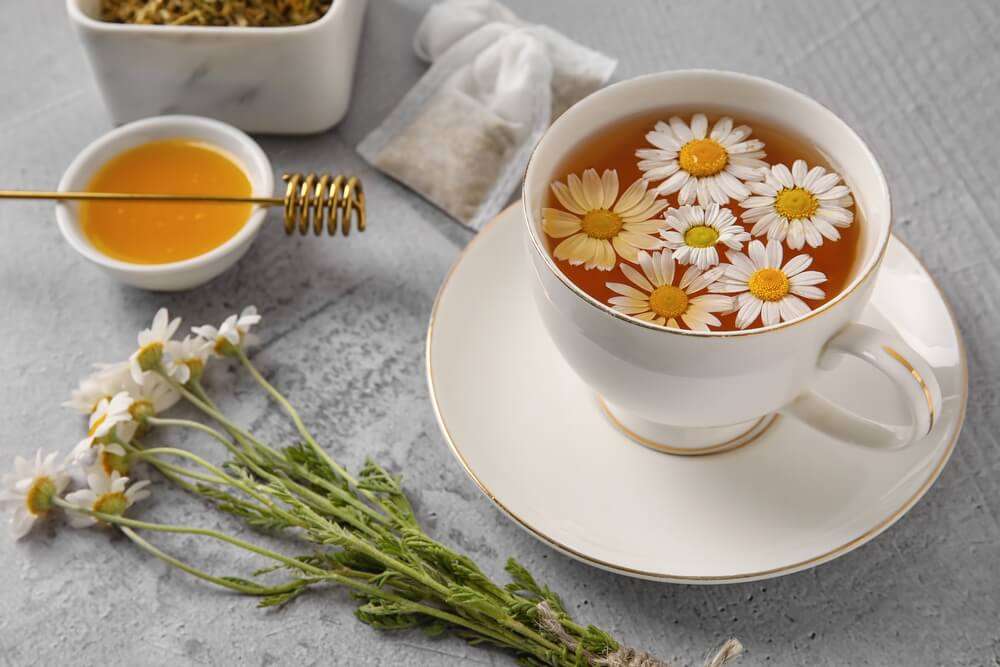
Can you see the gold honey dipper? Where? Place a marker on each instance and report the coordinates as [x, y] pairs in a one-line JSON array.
[[325, 200]]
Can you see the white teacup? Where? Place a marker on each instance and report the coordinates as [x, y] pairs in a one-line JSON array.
[[691, 392]]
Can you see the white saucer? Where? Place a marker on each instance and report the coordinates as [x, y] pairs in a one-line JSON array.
[[535, 440]]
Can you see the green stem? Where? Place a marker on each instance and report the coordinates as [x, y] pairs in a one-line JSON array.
[[219, 581], [340, 493], [191, 530], [443, 593], [293, 414], [172, 472], [190, 423], [244, 437], [372, 591], [249, 442]]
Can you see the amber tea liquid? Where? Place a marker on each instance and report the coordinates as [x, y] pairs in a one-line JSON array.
[[614, 147]]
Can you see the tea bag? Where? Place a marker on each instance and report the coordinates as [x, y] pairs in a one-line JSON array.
[[462, 136], [576, 70]]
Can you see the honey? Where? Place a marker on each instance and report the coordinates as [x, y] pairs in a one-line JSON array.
[[162, 232]]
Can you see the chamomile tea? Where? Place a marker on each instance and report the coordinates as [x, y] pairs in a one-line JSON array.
[[698, 219]]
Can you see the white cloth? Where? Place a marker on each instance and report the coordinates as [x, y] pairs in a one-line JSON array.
[[462, 136]]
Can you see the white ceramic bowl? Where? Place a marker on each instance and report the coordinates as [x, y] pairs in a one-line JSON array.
[[290, 80], [187, 273]]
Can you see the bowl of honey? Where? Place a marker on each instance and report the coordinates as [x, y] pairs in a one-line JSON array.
[[166, 246]]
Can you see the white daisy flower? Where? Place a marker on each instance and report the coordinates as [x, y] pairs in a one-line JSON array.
[[110, 414], [702, 166], [655, 298], [192, 352], [106, 494], [248, 318], [111, 420], [695, 231], [153, 396], [222, 340], [151, 347], [106, 381], [91, 452], [766, 288], [29, 491], [599, 223], [798, 206]]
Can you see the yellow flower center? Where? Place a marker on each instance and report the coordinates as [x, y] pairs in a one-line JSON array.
[[601, 224], [111, 462], [150, 355], [141, 409], [668, 301], [40, 495], [703, 157], [768, 284], [111, 503], [701, 236], [224, 348], [795, 203]]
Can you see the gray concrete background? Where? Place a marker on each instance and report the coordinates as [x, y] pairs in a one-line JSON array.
[[344, 332]]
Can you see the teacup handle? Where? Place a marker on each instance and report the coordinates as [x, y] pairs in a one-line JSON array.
[[900, 363]]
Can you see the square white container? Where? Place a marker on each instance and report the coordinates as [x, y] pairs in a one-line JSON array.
[[290, 80]]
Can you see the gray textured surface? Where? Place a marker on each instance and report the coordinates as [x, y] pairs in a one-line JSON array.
[[344, 335]]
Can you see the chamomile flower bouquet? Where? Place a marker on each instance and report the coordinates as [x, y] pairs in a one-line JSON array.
[[359, 530]]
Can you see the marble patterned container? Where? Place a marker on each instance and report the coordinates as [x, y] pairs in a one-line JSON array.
[[290, 80]]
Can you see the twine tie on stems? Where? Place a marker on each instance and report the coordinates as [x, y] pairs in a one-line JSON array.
[[625, 656]]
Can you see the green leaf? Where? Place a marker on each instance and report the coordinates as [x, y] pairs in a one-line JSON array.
[[467, 598], [375, 479], [524, 584], [281, 598], [436, 628], [597, 641], [304, 456], [386, 615], [242, 582]]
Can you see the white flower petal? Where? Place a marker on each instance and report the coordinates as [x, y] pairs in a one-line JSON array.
[[637, 278], [681, 130], [783, 176], [748, 313], [565, 197], [699, 126]]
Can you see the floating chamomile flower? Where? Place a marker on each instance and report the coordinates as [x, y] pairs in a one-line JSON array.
[[30, 490], [702, 166], [798, 206], [107, 494], [150, 354], [656, 299], [765, 288], [695, 231], [599, 223]]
